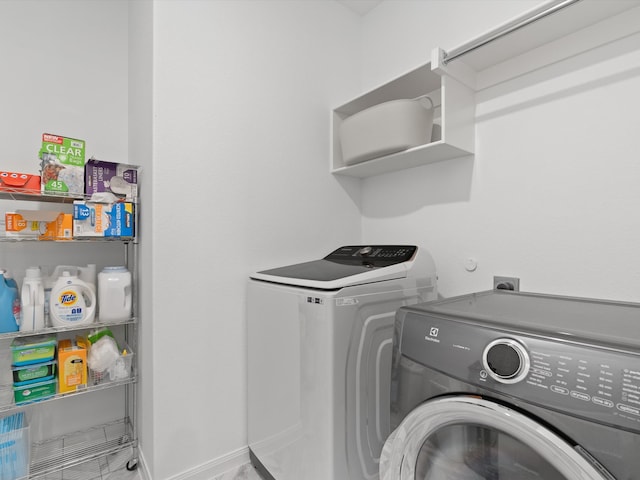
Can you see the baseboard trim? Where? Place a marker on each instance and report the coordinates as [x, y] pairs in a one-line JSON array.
[[142, 466]]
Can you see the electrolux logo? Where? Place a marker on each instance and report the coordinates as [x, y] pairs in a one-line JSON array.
[[433, 335]]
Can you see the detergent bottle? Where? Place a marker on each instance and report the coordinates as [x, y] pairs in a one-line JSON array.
[[9, 278], [86, 274], [9, 303], [32, 301], [72, 302], [114, 294]]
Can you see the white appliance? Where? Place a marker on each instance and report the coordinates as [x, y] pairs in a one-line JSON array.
[[512, 385], [319, 359]]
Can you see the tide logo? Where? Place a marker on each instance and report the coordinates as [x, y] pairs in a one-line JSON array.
[[68, 298]]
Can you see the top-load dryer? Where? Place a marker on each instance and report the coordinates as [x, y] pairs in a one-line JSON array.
[[319, 359]]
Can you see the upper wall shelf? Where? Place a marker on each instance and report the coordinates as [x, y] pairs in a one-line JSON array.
[[453, 123], [507, 51]]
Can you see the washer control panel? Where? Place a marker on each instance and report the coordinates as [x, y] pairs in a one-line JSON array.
[[376, 255], [586, 380]]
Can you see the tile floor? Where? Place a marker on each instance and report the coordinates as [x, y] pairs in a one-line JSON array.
[[244, 472], [114, 468]]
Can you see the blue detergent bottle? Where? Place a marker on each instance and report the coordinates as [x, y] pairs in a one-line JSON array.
[[9, 303]]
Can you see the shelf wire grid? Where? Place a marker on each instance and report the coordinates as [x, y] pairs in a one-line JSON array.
[[76, 449]]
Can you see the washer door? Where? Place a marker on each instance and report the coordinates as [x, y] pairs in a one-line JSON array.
[[471, 438]]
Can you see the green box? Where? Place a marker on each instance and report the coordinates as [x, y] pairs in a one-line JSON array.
[[34, 391], [62, 161]]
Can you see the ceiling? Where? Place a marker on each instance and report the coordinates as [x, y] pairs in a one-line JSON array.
[[361, 7]]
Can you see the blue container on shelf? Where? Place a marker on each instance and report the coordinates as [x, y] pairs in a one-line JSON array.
[[9, 305]]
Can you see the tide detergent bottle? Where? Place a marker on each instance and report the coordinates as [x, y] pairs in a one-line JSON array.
[[86, 274], [73, 301], [9, 303]]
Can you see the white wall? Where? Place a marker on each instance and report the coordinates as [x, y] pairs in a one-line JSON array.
[[550, 194], [64, 71], [242, 99]]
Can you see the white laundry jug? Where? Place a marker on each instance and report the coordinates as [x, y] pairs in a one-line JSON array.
[[32, 300], [86, 274], [114, 294], [72, 303]]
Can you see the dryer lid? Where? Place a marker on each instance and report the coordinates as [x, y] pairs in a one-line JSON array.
[[345, 266], [600, 321]]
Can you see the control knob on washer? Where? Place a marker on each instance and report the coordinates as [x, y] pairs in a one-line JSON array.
[[364, 251], [506, 360]]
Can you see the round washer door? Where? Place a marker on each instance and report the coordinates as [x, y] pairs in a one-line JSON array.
[[472, 438]]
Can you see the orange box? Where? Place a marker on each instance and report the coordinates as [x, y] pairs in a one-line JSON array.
[[17, 226], [60, 229], [20, 183], [72, 365], [44, 225]]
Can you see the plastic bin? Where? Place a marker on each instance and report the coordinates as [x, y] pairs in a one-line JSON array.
[[386, 128], [15, 450], [121, 370]]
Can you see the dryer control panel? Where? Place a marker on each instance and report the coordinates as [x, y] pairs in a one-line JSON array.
[[583, 379]]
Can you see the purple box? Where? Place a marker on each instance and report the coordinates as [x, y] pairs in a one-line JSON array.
[[117, 178]]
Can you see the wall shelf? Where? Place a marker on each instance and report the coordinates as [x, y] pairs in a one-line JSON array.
[[414, 157], [49, 330], [7, 391], [567, 32], [454, 105]]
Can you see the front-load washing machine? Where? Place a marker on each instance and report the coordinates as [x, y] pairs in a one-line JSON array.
[[507, 385], [319, 359]]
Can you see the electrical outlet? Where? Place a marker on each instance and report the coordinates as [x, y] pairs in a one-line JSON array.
[[506, 283]]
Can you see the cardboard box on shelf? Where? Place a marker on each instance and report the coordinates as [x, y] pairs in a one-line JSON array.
[[40, 224], [118, 178], [60, 229], [92, 219], [31, 350], [19, 183], [62, 161], [72, 365]]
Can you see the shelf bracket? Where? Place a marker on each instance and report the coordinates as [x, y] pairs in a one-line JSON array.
[[459, 70]]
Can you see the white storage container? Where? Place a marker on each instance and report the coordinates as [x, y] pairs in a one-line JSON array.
[[386, 128]]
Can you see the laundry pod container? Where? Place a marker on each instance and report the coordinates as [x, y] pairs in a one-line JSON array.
[[386, 128]]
